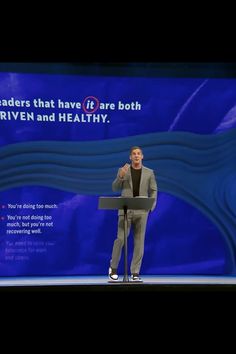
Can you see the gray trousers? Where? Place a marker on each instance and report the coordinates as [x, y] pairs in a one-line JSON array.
[[138, 223]]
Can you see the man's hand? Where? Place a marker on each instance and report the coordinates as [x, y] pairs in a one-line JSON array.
[[123, 170]]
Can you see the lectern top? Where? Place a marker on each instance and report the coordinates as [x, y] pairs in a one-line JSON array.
[[135, 203]]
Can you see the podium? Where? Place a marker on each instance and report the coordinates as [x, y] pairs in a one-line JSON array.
[[126, 203]]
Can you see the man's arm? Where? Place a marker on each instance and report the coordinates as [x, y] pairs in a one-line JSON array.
[[117, 184], [153, 189]]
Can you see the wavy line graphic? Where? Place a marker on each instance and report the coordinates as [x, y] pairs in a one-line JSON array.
[[200, 169]]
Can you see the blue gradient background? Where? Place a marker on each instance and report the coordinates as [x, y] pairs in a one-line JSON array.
[[187, 129]]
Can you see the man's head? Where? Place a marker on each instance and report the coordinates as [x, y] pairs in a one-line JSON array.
[[136, 156]]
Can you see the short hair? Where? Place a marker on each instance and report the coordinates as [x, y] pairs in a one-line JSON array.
[[134, 148]]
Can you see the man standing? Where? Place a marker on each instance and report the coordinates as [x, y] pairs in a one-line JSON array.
[[133, 180]]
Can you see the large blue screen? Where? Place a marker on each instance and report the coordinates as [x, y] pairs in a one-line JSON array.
[[64, 135]]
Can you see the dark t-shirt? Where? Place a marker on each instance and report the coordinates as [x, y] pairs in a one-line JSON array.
[[136, 176]]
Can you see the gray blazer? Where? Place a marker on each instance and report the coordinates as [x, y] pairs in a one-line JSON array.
[[148, 186]]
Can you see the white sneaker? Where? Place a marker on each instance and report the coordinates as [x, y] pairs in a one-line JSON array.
[[113, 274], [136, 277]]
